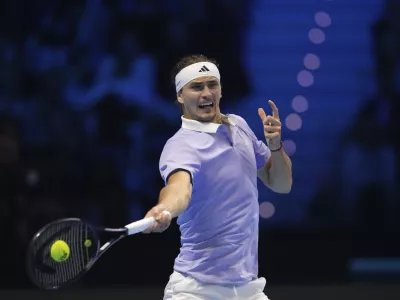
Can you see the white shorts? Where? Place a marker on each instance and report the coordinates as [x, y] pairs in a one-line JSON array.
[[180, 287]]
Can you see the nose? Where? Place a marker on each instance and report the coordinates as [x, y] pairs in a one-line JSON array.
[[205, 92]]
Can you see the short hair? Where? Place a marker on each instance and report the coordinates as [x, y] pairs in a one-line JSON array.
[[187, 61]]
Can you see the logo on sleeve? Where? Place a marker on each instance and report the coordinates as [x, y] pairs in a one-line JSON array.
[[163, 167]]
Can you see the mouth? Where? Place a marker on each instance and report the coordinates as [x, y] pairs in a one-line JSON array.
[[206, 105]]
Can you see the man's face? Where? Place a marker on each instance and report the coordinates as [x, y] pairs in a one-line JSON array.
[[200, 99]]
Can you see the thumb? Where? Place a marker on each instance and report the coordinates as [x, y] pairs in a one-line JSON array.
[[158, 211], [262, 114], [157, 216]]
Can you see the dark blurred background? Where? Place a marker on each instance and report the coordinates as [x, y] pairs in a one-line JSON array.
[[86, 106]]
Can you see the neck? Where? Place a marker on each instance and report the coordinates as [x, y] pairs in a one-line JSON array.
[[219, 118]]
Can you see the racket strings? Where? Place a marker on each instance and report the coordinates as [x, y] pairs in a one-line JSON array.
[[75, 263], [50, 273]]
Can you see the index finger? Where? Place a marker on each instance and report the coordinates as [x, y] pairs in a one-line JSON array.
[[275, 113]]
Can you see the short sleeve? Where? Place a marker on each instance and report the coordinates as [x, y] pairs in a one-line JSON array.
[[178, 155], [261, 151]]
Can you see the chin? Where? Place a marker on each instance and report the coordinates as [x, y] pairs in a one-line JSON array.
[[206, 117]]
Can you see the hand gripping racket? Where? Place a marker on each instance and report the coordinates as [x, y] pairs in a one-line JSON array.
[[63, 251]]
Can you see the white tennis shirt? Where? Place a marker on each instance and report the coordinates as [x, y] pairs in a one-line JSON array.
[[219, 229]]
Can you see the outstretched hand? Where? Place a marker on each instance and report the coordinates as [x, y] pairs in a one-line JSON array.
[[272, 126], [163, 219]]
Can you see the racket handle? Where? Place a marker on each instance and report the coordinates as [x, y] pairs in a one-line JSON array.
[[142, 225]]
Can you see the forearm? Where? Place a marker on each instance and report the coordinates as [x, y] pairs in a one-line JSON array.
[[176, 198], [279, 172]]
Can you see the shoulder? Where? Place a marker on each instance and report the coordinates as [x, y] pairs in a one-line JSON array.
[[181, 137], [236, 118], [243, 126], [239, 121], [178, 143]]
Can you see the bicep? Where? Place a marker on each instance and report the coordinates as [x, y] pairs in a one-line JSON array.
[[180, 177], [181, 180], [179, 170]]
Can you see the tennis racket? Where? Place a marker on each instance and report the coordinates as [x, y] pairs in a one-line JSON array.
[[64, 250]]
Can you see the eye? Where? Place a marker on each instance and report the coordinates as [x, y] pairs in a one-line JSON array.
[[197, 86]]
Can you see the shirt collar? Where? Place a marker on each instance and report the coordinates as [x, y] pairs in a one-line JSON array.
[[208, 127]]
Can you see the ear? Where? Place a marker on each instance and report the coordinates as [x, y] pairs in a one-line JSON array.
[[179, 98]]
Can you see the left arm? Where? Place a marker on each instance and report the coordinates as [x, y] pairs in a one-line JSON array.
[[277, 172]]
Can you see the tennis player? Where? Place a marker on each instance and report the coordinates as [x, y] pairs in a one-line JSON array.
[[210, 169]]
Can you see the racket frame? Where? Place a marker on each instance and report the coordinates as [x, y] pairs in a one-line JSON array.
[[129, 229]]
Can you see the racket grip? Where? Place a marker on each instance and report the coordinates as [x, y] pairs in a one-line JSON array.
[[141, 225]]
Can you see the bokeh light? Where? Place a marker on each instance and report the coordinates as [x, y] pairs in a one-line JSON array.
[[311, 61], [322, 19], [305, 78], [316, 35], [293, 122], [32, 177], [289, 146], [267, 210], [299, 104]]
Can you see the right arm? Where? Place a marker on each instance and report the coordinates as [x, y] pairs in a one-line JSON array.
[[174, 197]]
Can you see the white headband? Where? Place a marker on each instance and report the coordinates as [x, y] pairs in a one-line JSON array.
[[194, 71]]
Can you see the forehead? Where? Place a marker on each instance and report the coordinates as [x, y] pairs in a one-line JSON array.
[[204, 79]]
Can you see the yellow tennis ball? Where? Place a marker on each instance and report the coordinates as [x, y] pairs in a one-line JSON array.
[[88, 243], [59, 251]]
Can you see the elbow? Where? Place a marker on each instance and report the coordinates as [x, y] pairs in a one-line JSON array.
[[287, 187], [283, 188]]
